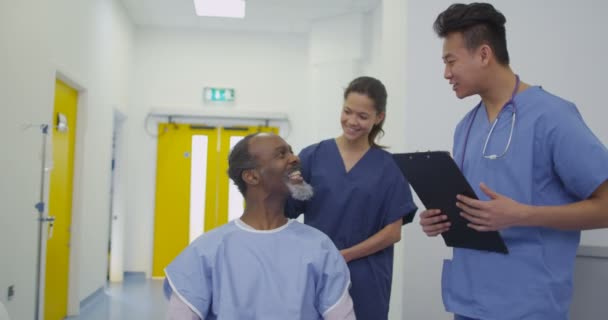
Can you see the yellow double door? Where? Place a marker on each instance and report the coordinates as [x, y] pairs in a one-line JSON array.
[[193, 191]]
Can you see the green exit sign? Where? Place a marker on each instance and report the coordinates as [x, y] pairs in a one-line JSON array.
[[218, 94]]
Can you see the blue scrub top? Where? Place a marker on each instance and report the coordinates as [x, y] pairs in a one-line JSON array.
[[352, 206], [554, 159]]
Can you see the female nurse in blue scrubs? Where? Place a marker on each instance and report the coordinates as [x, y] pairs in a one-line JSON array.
[[361, 198]]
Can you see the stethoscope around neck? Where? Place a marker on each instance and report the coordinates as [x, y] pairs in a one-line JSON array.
[[485, 145]]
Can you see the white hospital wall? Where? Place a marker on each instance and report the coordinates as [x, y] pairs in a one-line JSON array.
[[371, 63], [556, 44], [89, 42], [336, 54], [172, 66], [23, 72]]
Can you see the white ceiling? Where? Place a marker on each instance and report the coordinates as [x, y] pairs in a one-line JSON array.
[[261, 15]]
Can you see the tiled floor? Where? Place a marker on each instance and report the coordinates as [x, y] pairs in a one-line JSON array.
[[135, 298]]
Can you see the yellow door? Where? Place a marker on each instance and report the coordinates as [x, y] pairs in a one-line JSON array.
[[60, 202], [177, 146]]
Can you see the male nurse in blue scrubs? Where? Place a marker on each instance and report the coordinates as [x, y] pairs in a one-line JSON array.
[[540, 172]]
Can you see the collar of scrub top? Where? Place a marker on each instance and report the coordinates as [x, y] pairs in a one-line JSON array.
[[483, 153]]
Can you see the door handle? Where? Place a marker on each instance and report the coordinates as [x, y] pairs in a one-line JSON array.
[[51, 221]]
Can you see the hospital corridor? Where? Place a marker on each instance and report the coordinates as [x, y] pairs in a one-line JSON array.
[[122, 126]]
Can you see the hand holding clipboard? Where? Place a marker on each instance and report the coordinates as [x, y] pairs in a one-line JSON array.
[[437, 180]]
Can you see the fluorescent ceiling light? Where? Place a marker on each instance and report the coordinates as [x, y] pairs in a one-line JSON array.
[[220, 8]]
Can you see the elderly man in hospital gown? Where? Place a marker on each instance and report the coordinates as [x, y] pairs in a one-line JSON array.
[[261, 266]]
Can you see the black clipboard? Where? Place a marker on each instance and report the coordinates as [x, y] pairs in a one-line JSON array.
[[437, 180]]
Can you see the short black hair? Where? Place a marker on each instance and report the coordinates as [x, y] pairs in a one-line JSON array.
[[239, 160], [375, 90], [479, 23]]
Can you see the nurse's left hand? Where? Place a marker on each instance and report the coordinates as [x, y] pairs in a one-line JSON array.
[[498, 213], [345, 254]]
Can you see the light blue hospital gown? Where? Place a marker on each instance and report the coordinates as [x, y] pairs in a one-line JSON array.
[[238, 273], [554, 159]]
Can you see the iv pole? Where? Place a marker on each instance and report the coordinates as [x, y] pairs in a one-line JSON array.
[[40, 206]]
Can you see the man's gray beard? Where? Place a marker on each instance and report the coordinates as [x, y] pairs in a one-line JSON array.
[[301, 191]]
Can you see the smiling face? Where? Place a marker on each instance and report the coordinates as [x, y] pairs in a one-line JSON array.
[[278, 168], [358, 116], [463, 66]]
